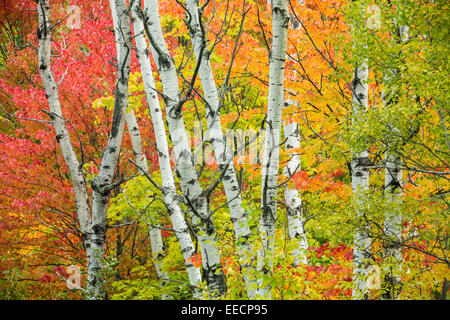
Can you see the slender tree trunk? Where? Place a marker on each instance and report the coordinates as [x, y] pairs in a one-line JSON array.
[[57, 117], [59, 124], [101, 185], [293, 197], [223, 156], [185, 169], [393, 193], [168, 182], [280, 23], [141, 160], [93, 227]]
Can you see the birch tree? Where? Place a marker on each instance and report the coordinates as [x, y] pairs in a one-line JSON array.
[[293, 197], [92, 224], [269, 188], [196, 198]]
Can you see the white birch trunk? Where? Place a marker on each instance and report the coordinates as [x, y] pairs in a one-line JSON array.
[[59, 124], [293, 196], [130, 117], [223, 155], [360, 184], [280, 23], [185, 169], [393, 193], [168, 182], [58, 120], [136, 140], [101, 185]]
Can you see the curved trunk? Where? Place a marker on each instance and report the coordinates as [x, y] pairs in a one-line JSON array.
[[293, 197], [57, 117], [62, 134]]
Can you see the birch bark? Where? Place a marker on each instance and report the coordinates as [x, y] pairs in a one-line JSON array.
[[293, 197], [168, 182], [223, 155], [185, 169], [360, 171], [280, 22]]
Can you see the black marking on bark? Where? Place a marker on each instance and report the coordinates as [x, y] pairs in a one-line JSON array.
[[215, 278], [59, 136], [164, 61], [362, 162], [160, 256], [209, 227], [117, 116], [187, 249]]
